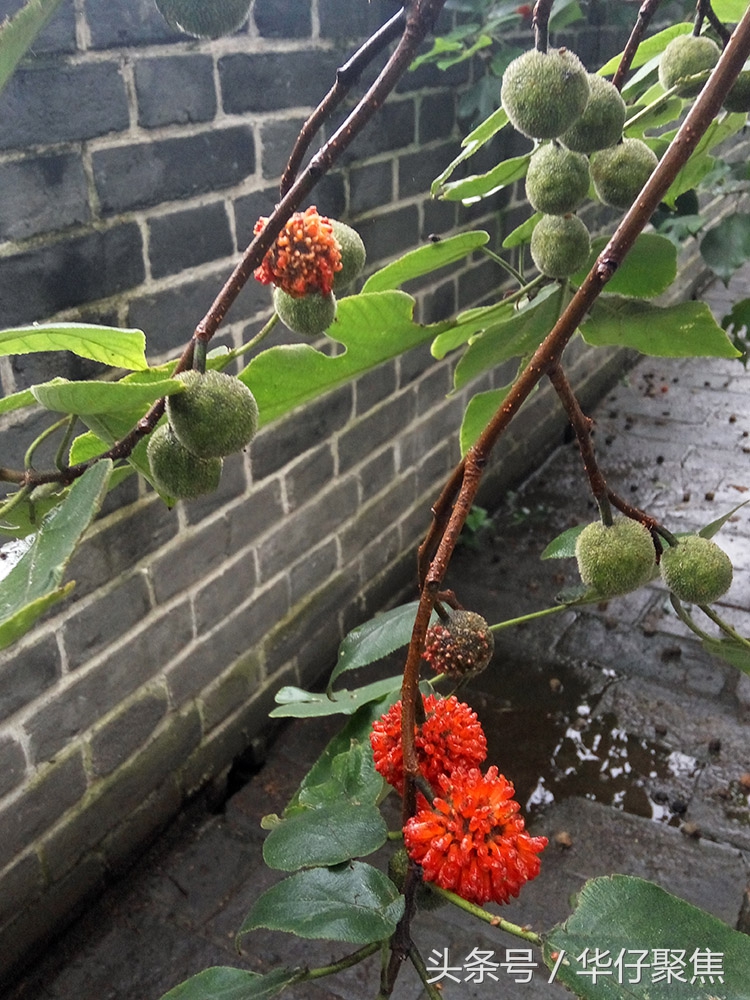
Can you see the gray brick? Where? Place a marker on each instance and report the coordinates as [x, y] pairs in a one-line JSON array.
[[102, 688], [375, 518], [438, 217], [479, 284], [270, 81], [277, 141], [309, 475], [248, 208], [389, 234], [392, 127], [42, 194], [198, 552], [307, 526], [313, 569], [433, 387], [370, 186], [415, 363], [373, 387], [416, 171], [233, 690], [236, 637], [27, 673], [137, 22], [228, 590], [377, 473], [262, 509], [374, 429], [19, 884], [121, 544], [120, 736], [378, 555], [340, 19], [170, 316], [118, 796], [440, 303], [148, 173], [70, 273], [175, 90], [12, 764], [126, 841], [437, 118], [54, 791], [62, 103], [185, 239], [279, 444], [433, 470], [88, 631], [284, 19]]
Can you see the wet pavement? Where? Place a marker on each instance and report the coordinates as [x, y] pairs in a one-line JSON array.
[[627, 742]]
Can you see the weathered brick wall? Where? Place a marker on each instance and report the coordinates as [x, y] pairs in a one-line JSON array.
[[133, 165]]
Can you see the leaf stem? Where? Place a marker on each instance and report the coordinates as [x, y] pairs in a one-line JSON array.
[[47, 432], [724, 626], [418, 962], [60, 462], [13, 501], [489, 918], [344, 963], [685, 618], [528, 618], [261, 335], [504, 264]]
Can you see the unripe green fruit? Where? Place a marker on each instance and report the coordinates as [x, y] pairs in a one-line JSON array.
[[204, 19], [738, 98], [602, 121], [685, 56], [309, 315], [560, 244], [620, 172], [176, 471], [557, 180], [696, 570], [615, 559], [353, 254], [216, 415], [544, 92]]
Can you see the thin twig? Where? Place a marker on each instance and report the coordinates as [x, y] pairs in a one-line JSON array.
[[346, 76], [645, 14], [540, 24], [717, 24]]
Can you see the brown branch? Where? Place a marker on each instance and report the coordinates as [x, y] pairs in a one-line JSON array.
[[710, 15], [419, 19], [546, 357], [540, 24], [346, 76], [645, 14]]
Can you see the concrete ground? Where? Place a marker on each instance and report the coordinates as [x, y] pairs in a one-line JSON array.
[[627, 742]]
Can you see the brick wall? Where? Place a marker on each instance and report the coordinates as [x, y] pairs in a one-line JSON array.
[[133, 165]]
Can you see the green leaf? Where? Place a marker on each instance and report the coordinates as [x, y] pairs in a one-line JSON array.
[[683, 330], [375, 639], [469, 323], [715, 526], [225, 983], [354, 903], [731, 651], [295, 703], [34, 582], [352, 778], [23, 519], [620, 913], [478, 186], [663, 113], [115, 347], [372, 327], [700, 163], [649, 268], [425, 260], [522, 234], [102, 397], [328, 835], [729, 10], [86, 446], [513, 338], [564, 545], [18, 32], [727, 246], [17, 401], [471, 144], [479, 412], [648, 48]]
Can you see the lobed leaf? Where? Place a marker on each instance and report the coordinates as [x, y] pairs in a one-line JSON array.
[[352, 778], [480, 410], [471, 143], [424, 260], [649, 268], [726, 246], [330, 834], [522, 234], [295, 703], [87, 397], [648, 48], [110, 345], [353, 902], [478, 186], [226, 983]]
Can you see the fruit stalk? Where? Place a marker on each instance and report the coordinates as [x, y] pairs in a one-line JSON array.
[[645, 14]]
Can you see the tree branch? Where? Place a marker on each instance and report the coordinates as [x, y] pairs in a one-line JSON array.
[[646, 12]]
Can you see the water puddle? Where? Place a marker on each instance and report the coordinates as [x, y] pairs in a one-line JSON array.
[[546, 736]]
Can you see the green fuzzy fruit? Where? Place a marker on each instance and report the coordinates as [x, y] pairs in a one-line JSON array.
[[685, 56], [216, 415], [620, 172], [738, 98], [696, 570], [544, 92], [602, 121], [353, 254], [309, 315], [205, 18], [560, 244], [615, 559], [557, 180], [176, 471]]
